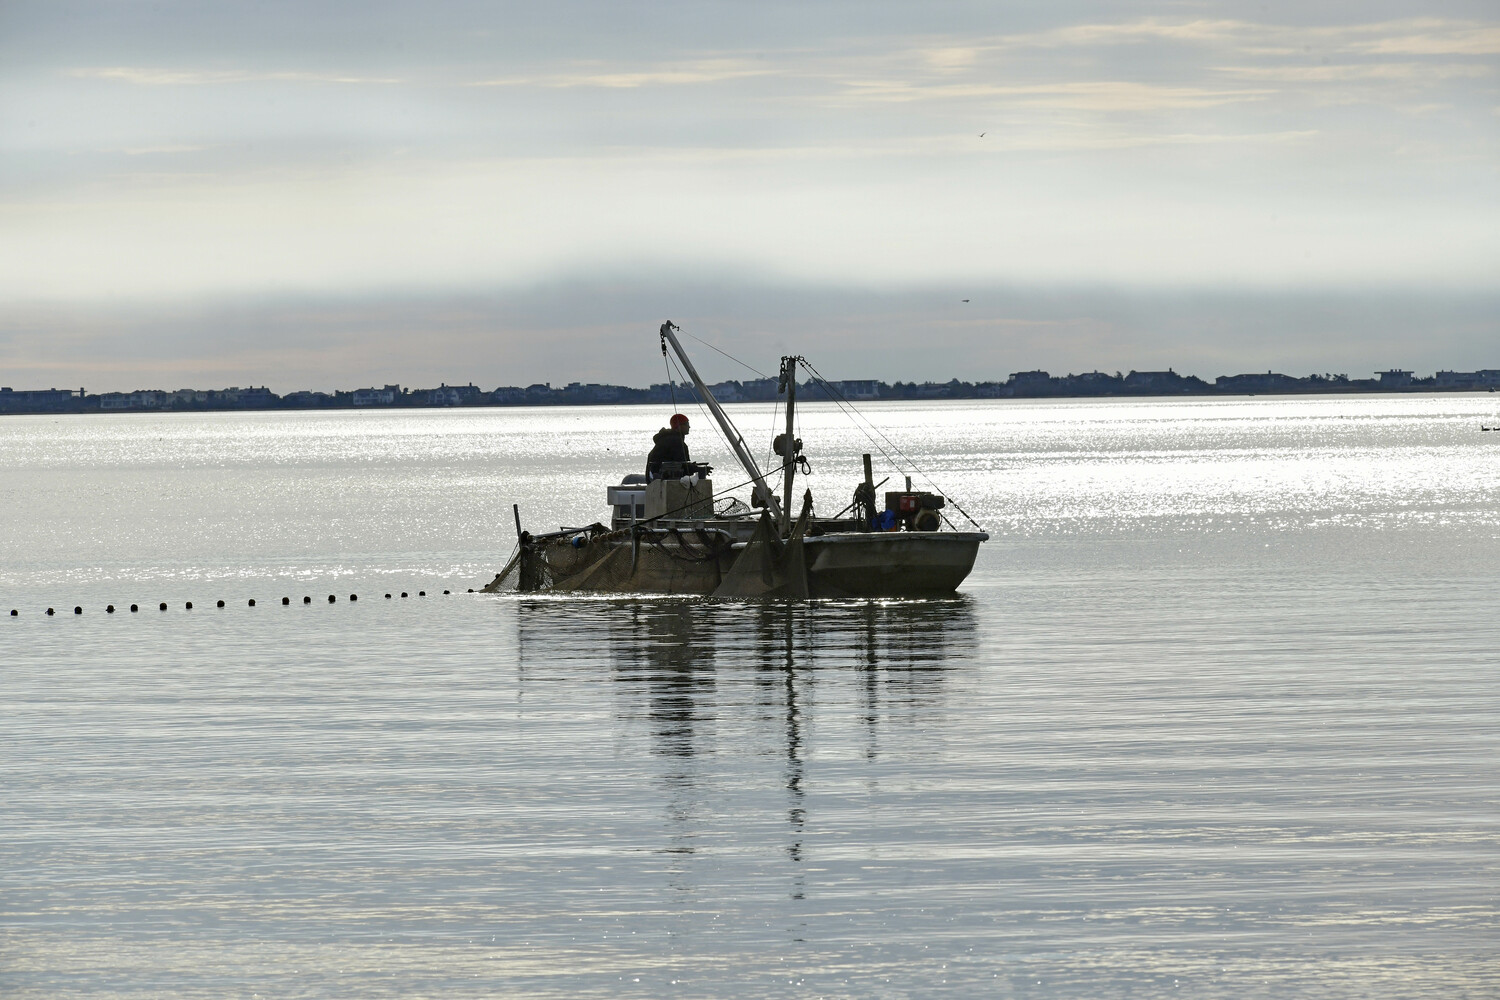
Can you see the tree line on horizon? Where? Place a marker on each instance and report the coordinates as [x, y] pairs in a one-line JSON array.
[[1020, 385]]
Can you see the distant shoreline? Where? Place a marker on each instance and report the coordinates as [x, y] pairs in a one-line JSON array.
[[1020, 385]]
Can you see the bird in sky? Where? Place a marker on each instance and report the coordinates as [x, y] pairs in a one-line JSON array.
[[983, 134], [966, 300]]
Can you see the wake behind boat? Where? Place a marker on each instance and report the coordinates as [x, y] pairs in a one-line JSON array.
[[670, 533]]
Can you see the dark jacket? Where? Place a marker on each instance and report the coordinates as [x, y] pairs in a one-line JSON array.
[[668, 446]]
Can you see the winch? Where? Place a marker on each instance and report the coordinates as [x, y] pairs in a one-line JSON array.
[[917, 510]]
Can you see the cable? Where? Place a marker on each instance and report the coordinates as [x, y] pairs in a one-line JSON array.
[[703, 409], [726, 354], [671, 386], [849, 408]]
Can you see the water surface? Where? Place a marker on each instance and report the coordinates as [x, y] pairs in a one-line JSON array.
[[1214, 713]]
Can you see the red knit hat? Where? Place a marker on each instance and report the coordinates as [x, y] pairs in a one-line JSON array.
[[678, 421]]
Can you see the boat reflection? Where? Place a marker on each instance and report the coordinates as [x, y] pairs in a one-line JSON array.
[[696, 680]]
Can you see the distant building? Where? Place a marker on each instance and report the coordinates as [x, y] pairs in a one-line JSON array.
[[1095, 383], [256, 397], [1258, 382], [1488, 378], [39, 400], [727, 392], [859, 388], [593, 392], [449, 395], [758, 390], [1161, 382], [306, 399], [1031, 383], [1396, 378], [377, 397]]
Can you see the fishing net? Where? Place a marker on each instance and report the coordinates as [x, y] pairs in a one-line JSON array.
[[627, 561]]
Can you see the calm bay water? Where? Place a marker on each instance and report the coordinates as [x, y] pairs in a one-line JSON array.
[[1214, 714]]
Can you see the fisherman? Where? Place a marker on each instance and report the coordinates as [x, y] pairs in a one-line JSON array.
[[669, 445]]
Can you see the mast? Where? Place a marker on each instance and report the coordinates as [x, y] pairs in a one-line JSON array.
[[789, 374], [731, 434]]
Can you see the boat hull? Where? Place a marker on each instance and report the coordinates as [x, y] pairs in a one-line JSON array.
[[711, 562], [890, 563]]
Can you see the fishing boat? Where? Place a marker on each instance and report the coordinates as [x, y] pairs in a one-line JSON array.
[[673, 534]]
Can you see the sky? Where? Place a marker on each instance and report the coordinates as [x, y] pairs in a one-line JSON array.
[[319, 195]]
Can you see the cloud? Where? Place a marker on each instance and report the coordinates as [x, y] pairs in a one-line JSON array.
[[1472, 39], [155, 150], [1078, 95], [158, 77], [672, 74], [1343, 72]]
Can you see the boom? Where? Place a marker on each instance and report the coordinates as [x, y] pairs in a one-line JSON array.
[[731, 433]]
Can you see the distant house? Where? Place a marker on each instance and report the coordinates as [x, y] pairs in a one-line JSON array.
[[449, 395], [859, 388], [377, 397], [39, 400], [1258, 382], [727, 392], [758, 390], [256, 398], [1487, 378], [1095, 383], [306, 399], [1396, 378], [1166, 382], [593, 392], [1032, 383], [509, 394]]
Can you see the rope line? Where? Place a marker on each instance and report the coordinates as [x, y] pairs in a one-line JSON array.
[[726, 354], [843, 404]]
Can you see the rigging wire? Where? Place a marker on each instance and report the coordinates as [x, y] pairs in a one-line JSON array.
[[726, 354], [854, 414], [708, 418], [702, 407], [848, 408], [671, 386]]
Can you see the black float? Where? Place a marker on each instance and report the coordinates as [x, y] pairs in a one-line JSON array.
[[188, 605]]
